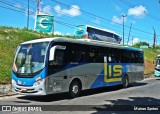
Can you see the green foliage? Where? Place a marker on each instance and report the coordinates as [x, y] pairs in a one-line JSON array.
[[150, 54], [10, 38], [141, 44]]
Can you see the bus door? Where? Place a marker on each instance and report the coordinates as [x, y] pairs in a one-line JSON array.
[[55, 68]]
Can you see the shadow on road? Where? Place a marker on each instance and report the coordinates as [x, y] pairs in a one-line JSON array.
[[126, 106], [110, 89], [47, 98], [62, 96]]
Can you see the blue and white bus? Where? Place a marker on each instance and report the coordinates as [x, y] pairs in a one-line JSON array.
[[55, 65], [90, 32], [157, 66]]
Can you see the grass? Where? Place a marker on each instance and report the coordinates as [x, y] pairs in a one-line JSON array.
[[149, 56], [10, 38]]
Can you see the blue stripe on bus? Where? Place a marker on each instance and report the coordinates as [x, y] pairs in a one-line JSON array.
[[28, 81], [99, 82]]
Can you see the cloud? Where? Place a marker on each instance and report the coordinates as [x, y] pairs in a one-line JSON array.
[[118, 8], [138, 11], [135, 41], [96, 21], [57, 33], [73, 11], [46, 10], [67, 34], [118, 19]]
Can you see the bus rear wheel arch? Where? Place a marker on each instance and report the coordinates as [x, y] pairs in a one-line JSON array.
[[125, 81], [75, 88]]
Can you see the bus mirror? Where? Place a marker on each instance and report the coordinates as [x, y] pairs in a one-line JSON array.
[[53, 49], [15, 51]]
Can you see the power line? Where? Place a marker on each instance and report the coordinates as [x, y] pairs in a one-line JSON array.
[[80, 19], [87, 21], [12, 9], [149, 15], [64, 23], [11, 4], [98, 16], [59, 22]]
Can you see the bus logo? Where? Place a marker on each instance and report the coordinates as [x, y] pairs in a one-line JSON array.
[[110, 71], [19, 82]]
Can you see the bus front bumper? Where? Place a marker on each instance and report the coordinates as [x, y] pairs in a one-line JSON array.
[[31, 90], [157, 73]]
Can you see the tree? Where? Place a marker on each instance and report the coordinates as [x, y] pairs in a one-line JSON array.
[[140, 44]]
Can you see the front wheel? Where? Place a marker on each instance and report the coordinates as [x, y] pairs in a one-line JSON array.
[[74, 89], [125, 81]]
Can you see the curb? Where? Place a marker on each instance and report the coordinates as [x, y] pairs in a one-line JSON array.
[[7, 94], [5, 90]]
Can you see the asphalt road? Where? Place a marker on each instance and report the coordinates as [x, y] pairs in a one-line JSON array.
[[143, 95]]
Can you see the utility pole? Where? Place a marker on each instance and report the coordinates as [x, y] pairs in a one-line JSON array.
[[123, 16], [28, 16], [154, 38], [129, 34], [132, 40], [38, 6], [37, 12]]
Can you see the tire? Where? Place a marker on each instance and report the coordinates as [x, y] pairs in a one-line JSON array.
[[125, 81], [74, 89]]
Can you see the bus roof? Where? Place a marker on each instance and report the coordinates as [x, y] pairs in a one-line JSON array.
[[39, 40], [82, 41]]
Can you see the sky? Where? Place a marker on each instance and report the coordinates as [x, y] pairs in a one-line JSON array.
[[105, 14]]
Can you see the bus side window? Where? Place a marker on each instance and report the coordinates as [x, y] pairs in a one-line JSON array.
[[59, 57]]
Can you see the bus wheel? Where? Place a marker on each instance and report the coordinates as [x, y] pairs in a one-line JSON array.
[[74, 89], [125, 81]]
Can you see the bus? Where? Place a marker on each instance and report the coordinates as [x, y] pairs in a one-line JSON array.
[[55, 65], [90, 32], [157, 66]]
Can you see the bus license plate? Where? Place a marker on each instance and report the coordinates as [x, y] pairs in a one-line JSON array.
[[23, 89]]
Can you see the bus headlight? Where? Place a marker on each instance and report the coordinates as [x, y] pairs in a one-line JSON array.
[[38, 82], [13, 82], [156, 71]]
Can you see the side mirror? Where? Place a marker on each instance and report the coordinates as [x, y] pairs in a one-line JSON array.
[[53, 49]]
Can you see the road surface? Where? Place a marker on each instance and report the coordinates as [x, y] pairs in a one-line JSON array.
[[143, 95]]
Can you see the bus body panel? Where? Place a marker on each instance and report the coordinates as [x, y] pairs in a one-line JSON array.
[[92, 74], [93, 77]]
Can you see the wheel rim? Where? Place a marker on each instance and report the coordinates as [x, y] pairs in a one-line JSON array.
[[125, 82], [75, 89]]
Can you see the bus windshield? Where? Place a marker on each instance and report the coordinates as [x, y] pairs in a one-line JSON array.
[[30, 58], [158, 63]]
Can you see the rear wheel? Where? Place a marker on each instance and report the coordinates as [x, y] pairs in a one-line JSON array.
[[74, 89], [125, 81]]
